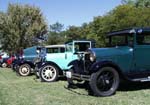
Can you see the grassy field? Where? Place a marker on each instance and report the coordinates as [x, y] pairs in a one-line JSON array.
[[15, 90]]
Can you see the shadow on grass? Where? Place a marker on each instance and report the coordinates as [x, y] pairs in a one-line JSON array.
[[84, 86], [123, 87], [133, 86]]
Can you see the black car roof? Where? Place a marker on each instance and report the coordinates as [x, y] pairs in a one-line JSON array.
[[130, 31]]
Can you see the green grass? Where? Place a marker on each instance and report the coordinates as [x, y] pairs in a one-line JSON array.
[[15, 90]]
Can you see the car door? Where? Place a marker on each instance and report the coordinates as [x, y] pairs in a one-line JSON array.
[[142, 54], [69, 55], [56, 55]]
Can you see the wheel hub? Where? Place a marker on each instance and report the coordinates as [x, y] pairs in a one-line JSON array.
[[48, 73], [24, 70], [107, 81]]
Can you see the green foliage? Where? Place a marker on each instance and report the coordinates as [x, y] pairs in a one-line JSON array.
[[122, 17], [56, 34], [20, 25], [137, 3], [73, 33]]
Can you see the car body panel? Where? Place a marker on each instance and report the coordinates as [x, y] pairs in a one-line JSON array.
[[122, 56], [63, 59]]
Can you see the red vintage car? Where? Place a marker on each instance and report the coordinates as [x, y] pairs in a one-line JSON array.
[[7, 61]]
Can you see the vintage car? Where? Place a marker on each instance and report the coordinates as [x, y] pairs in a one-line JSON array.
[[56, 59], [24, 64], [3, 59], [50, 50], [127, 57]]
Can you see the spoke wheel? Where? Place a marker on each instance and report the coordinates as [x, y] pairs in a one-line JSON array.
[[24, 70], [4, 65], [104, 82], [49, 73]]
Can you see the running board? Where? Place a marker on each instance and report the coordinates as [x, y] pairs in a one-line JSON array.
[[142, 79], [81, 77]]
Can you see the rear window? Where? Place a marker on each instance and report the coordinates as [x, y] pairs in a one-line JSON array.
[[55, 50]]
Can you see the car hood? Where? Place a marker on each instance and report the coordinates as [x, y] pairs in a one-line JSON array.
[[114, 51]]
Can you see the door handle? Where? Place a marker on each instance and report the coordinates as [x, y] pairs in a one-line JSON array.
[[65, 56]]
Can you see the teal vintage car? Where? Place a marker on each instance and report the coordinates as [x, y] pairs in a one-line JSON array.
[[126, 57], [54, 60]]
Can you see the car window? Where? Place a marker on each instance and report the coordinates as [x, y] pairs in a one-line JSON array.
[[143, 39], [121, 40], [118, 40], [62, 50], [55, 50]]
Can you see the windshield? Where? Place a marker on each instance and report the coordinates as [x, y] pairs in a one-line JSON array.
[[69, 47], [42, 52], [121, 40], [81, 46]]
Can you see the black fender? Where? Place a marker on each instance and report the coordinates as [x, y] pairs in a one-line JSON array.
[[21, 62], [73, 63], [98, 65], [77, 65]]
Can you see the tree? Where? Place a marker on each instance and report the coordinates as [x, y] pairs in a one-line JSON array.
[[20, 26], [73, 33], [56, 34], [137, 3], [56, 27]]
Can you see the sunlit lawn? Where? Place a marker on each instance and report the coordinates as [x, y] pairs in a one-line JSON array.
[[15, 90]]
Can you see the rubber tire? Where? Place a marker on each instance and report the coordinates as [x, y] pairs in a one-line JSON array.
[[4, 65], [28, 73], [54, 79], [94, 78]]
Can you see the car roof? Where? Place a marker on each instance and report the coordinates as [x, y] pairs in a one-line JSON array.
[[50, 46], [80, 41], [145, 30]]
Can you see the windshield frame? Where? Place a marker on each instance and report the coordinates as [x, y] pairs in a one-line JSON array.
[[70, 46]]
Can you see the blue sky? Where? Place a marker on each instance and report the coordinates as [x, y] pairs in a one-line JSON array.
[[68, 12]]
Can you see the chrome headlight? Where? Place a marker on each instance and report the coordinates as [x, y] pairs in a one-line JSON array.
[[80, 56], [92, 56]]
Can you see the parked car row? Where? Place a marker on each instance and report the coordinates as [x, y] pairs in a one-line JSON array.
[[126, 58], [6, 60]]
